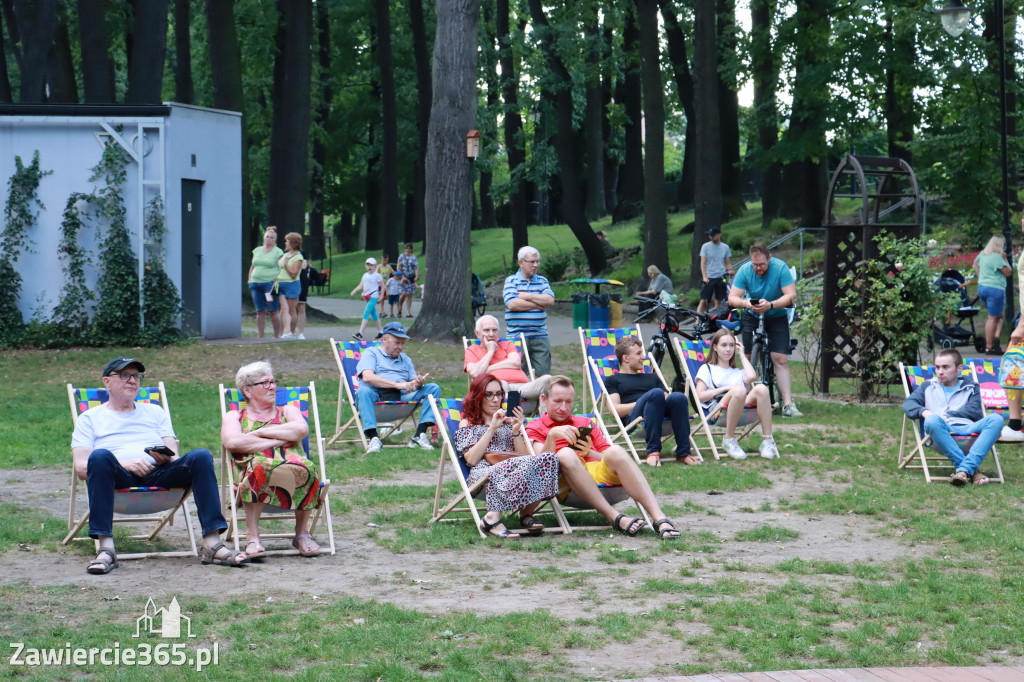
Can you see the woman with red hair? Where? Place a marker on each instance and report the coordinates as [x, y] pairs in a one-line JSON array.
[[519, 482]]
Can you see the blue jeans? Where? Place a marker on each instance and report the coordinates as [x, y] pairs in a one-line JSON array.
[[367, 395], [988, 429], [104, 475], [654, 407]]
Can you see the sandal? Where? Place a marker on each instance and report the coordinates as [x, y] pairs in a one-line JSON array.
[[488, 528], [208, 555], [688, 460], [531, 525], [105, 562], [980, 479], [656, 456], [258, 550], [666, 533], [959, 479], [306, 545], [634, 526]]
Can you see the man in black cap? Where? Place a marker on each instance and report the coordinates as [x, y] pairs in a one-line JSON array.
[[715, 264], [113, 447]]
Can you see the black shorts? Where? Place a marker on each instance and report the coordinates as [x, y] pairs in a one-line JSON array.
[[713, 290], [777, 329], [304, 291]]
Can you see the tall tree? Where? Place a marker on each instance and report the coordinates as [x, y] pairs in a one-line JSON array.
[[684, 87], [97, 67], [708, 190], [729, 110], [513, 124], [36, 21], [765, 73], [289, 137], [631, 174], [391, 209], [594, 128], [424, 98], [184, 91], [5, 80], [446, 311], [148, 50], [61, 82], [655, 222], [572, 201], [487, 120], [315, 247]]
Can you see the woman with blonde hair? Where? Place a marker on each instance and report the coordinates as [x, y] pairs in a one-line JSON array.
[[993, 270], [262, 278]]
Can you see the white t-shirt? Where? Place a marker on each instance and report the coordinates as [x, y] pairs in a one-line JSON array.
[[371, 284], [124, 434], [714, 376], [716, 255]]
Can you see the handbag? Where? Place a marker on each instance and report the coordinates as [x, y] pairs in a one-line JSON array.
[[498, 456]]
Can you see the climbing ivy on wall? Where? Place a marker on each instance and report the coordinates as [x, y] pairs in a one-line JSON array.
[[70, 322], [161, 303]]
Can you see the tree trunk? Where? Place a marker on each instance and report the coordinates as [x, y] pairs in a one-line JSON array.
[[729, 112], [148, 49], [513, 124], [708, 190], [655, 222], [315, 247], [62, 83], [684, 87], [5, 80], [36, 22], [423, 104], [289, 137], [572, 202], [611, 165], [487, 122], [446, 314], [594, 129], [631, 174], [390, 206], [765, 73], [184, 91], [97, 67]]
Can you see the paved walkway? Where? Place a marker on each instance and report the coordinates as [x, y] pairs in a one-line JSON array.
[[976, 674]]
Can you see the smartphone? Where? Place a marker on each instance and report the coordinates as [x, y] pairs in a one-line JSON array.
[[160, 450], [513, 402], [755, 301], [584, 432]]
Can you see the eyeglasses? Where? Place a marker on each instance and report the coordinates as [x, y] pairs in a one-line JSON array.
[[126, 377], [759, 266], [532, 262], [494, 394], [268, 384]]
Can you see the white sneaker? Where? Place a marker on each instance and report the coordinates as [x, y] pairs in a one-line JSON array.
[[791, 411], [421, 441], [375, 445], [768, 448], [732, 447], [286, 336], [301, 337], [1008, 435]]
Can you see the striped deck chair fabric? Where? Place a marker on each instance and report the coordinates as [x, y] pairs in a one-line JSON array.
[[600, 344]]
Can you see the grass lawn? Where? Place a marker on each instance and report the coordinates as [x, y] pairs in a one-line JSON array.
[[827, 557]]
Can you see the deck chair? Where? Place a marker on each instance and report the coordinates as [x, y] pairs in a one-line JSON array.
[[600, 343], [448, 415], [391, 414], [633, 433], [304, 398], [519, 341], [131, 505], [712, 422], [912, 455], [993, 396]]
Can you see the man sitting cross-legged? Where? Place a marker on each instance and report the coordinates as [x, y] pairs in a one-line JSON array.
[[951, 404], [558, 431], [501, 359], [635, 394], [111, 447]]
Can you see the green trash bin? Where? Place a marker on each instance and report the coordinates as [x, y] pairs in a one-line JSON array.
[[580, 310]]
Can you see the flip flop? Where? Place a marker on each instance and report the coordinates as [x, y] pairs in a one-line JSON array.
[[208, 555], [688, 460], [657, 459], [634, 526], [102, 565], [959, 479], [306, 545], [980, 479]]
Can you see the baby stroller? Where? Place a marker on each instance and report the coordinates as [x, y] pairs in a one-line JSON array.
[[954, 332], [479, 296]]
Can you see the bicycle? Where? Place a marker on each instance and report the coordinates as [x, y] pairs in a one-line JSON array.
[[761, 359]]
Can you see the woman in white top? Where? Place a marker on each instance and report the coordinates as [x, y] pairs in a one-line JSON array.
[[720, 381]]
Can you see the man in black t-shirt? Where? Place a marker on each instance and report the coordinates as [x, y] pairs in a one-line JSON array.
[[635, 394]]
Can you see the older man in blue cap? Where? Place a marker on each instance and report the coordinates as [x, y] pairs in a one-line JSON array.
[[386, 373]]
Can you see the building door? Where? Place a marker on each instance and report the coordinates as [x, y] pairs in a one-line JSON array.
[[192, 255]]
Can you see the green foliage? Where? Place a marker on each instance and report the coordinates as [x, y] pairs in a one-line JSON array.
[[70, 322], [807, 328], [20, 214], [161, 303]]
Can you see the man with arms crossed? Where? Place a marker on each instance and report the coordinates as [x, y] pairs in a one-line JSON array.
[[501, 359], [527, 297]]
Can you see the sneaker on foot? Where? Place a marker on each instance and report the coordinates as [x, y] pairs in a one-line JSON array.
[[733, 449], [768, 448], [301, 337], [1008, 435], [421, 441], [357, 336], [375, 445], [287, 336], [791, 411], [380, 335]]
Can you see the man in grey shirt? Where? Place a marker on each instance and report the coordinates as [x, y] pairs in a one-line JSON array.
[[715, 264]]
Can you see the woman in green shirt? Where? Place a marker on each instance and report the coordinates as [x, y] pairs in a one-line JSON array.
[[993, 270], [262, 277]]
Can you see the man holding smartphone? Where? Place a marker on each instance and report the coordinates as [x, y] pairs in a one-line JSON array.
[[125, 444], [764, 287]]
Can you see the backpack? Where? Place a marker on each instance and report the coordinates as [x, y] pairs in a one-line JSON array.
[[1011, 368]]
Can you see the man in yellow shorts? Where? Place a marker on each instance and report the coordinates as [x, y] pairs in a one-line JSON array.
[[558, 431]]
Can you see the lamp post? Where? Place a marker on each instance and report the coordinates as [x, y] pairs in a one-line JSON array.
[[955, 19]]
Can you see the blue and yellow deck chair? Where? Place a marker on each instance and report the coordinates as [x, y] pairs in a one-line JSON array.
[[391, 414], [712, 422], [913, 455], [632, 434], [448, 413], [303, 398], [519, 341], [600, 344], [131, 505]]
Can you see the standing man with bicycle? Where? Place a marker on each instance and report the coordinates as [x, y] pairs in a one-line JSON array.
[[715, 264], [765, 287]]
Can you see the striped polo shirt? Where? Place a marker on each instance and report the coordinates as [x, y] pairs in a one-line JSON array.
[[532, 323]]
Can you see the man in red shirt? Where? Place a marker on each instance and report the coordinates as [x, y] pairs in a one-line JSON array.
[[558, 431], [501, 359]]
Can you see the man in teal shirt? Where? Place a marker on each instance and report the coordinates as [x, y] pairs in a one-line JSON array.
[[765, 287]]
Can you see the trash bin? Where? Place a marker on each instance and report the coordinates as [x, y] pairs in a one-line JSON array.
[[600, 310], [579, 310], [615, 315]]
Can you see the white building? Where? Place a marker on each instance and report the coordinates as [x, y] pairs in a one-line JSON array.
[[189, 156]]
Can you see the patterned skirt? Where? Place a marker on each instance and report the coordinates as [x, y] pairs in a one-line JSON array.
[[518, 481], [290, 483]]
